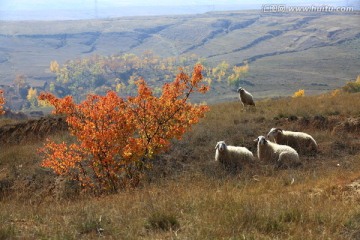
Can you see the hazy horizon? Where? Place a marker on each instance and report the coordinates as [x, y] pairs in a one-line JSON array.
[[18, 10]]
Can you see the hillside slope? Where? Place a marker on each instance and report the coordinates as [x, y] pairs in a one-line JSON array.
[[285, 51], [187, 195]]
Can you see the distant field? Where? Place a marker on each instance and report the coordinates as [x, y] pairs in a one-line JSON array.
[[316, 51]]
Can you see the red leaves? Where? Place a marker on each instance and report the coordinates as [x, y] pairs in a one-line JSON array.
[[2, 101], [115, 136]]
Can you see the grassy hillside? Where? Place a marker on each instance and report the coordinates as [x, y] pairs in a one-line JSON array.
[[285, 51], [188, 196]]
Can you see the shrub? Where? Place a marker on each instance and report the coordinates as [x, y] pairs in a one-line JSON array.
[[353, 87], [117, 137], [299, 93]]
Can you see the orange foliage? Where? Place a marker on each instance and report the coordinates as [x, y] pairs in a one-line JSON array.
[[2, 101], [117, 137]]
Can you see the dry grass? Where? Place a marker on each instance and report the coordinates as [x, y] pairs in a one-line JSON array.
[[5, 121], [187, 196]]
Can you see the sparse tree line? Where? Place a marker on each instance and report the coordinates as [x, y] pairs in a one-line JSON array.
[[99, 74]]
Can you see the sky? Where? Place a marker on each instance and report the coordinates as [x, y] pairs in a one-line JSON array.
[[78, 9]]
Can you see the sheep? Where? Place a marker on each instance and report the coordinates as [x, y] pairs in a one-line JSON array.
[[233, 156], [245, 97], [300, 141], [281, 155]]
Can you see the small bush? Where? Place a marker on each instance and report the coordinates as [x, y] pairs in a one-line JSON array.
[[299, 93], [353, 87]]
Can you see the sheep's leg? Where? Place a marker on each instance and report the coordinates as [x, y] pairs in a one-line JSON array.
[[243, 108], [278, 164]]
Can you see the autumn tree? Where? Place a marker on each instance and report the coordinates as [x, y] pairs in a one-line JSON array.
[[54, 66], [32, 97], [239, 72], [116, 137], [95, 74], [2, 101], [220, 71]]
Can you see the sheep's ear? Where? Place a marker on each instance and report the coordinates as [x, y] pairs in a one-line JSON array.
[[256, 140], [217, 145], [279, 130]]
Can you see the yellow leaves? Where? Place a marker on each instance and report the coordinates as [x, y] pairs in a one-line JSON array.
[[299, 93], [54, 66], [119, 87], [43, 103], [238, 73], [335, 92], [352, 87], [32, 97], [32, 93], [220, 70]]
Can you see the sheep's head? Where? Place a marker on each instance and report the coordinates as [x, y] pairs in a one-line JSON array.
[[274, 132], [221, 146], [261, 140], [240, 89]]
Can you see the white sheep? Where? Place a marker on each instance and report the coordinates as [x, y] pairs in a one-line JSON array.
[[233, 156], [245, 97], [281, 155], [300, 141]]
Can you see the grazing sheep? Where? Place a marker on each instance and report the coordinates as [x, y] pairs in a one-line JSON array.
[[233, 157], [281, 155], [245, 97], [300, 141]]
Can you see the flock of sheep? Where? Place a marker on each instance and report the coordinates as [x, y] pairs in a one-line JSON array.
[[282, 151]]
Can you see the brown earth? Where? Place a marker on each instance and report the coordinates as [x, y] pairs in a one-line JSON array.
[[38, 129], [30, 130]]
